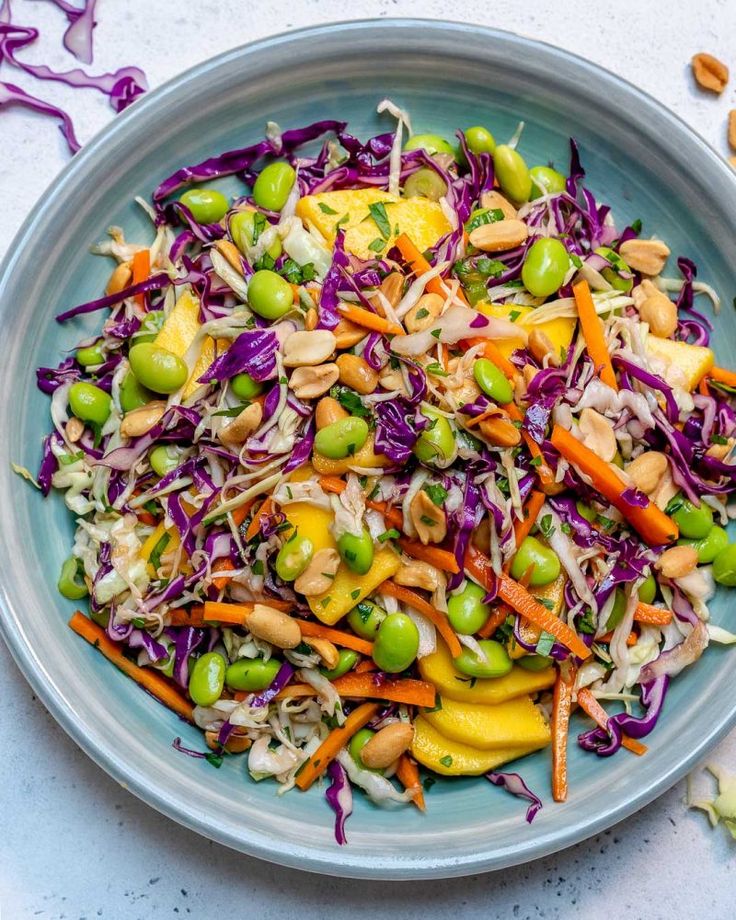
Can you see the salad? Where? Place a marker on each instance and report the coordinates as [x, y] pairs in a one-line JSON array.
[[391, 459]]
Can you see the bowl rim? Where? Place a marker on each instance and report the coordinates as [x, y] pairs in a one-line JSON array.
[[340, 863]]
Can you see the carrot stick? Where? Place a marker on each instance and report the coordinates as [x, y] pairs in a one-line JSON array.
[[367, 664], [519, 599], [221, 612], [336, 636], [334, 743], [522, 528], [255, 525], [370, 686], [222, 565], [593, 334], [408, 774], [362, 317], [723, 376], [561, 706], [149, 679], [651, 615], [412, 599], [419, 265], [440, 558], [652, 524], [703, 387], [590, 705], [393, 516], [631, 639], [545, 474], [493, 622], [240, 513], [493, 353], [141, 271]]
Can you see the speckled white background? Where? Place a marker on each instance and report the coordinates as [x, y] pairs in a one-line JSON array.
[[74, 844]]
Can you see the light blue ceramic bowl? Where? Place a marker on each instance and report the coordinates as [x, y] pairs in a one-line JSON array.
[[638, 156]]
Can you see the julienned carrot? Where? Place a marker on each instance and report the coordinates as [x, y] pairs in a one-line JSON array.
[[222, 565], [367, 686], [367, 664], [523, 527], [652, 524], [478, 566], [494, 621], [651, 615], [722, 376], [541, 468], [593, 333], [590, 705], [334, 743], [631, 639], [255, 525], [419, 265], [362, 317], [221, 612], [560, 725], [141, 271], [336, 636], [440, 558], [493, 353], [412, 599], [408, 774], [147, 678], [393, 516]]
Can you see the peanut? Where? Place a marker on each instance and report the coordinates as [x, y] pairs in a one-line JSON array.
[[732, 129], [387, 745], [319, 574], [495, 201], [417, 574], [242, 426], [709, 72], [499, 432], [235, 744], [645, 256], [646, 289], [140, 421], [326, 651], [647, 470], [355, 372], [231, 253], [392, 288], [119, 279], [310, 320], [392, 379], [309, 348], [429, 520], [273, 626], [424, 312], [74, 429], [598, 434], [348, 334], [660, 313], [541, 347], [677, 561], [311, 382], [505, 234], [328, 411]]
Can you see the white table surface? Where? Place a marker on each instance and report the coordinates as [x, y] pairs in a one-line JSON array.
[[74, 844]]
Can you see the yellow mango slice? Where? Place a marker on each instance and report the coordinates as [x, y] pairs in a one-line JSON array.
[[438, 669], [558, 331], [451, 758], [349, 588], [365, 457], [313, 523], [693, 360], [422, 220], [151, 541], [515, 723], [553, 593]]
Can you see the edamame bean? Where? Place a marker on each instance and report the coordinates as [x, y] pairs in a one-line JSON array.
[[512, 173], [586, 512], [342, 438], [436, 443], [546, 181], [431, 143], [245, 387], [356, 745], [89, 403], [356, 552], [612, 272], [648, 588], [397, 643], [270, 295], [133, 394], [492, 381], [425, 183], [534, 662], [164, 459], [293, 557], [480, 140], [273, 185], [150, 327], [693, 522], [90, 356], [545, 266], [68, 584], [347, 659], [251, 674], [365, 619], [724, 566], [466, 611], [158, 368], [207, 679], [708, 547], [533, 553], [497, 665], [617, 611], [245, 229], [206, 205]]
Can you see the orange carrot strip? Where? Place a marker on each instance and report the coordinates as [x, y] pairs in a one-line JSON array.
[[590, 705], [221, 612], [703, 386], [141, 271], [493, 353], [442, 624], [522, 528], [440, 558], [393, 516], [651, 615], [241, 513], [408, 774], [365, 686], [652, 524], [334, 743], [149, 679], [336, 636], [419, 265], [222, 565], [362, 317], [255, 525], [519, 599], [545, 474], [723, 376], [561, 707], [493, 622], [630, 639], [593, 334], [367, 664]]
